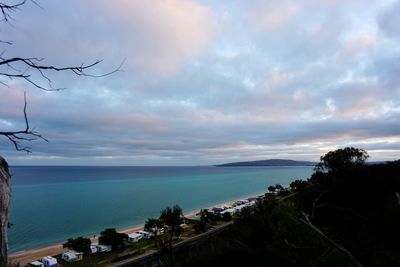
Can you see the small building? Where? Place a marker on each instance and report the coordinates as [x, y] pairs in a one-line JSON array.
[[36, 264], [103, 248], [71, 256], [134, 237], [49, 261]]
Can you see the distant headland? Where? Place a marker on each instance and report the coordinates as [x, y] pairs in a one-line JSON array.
[[268, 162]]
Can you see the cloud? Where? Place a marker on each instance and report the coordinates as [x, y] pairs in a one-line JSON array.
[[207, 82], [273, 16], [161, 34], [389, 20]]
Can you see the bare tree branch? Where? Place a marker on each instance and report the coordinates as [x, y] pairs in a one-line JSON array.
[[315, 202], [34, 64], [24, 135], [344, 251], [6, 10], [300, 247], [5, 42]]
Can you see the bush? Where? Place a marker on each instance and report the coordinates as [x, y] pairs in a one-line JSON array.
[[80, 244], [112, 238]]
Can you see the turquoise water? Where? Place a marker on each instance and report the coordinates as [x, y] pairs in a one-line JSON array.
[[51, 204]]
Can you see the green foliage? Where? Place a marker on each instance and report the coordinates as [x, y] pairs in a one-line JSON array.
[[298, 185], [80, 244], [277, 187], [342, 159], [153, 224], [112, 238], [226, 217], [271, 188], [172, 218], [200, 226], [352, 203]]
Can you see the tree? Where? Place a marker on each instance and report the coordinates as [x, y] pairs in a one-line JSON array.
[[80, 244], [5, 194], [172, 218], [340, 159], [226, 217], [298, 185], [153, 225], [206, 217], [271, 188], [111, 237], [33, 71], [278, 187]]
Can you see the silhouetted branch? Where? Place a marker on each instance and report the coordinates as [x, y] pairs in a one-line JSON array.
[[24, 135], [344, 251], [6, 10], [315, 202], [34, 64], [300, 247], [5, 42]]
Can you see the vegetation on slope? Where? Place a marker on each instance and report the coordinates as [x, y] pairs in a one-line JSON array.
[[346, 214]]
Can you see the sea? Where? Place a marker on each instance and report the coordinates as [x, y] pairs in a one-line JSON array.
[[50, 204]]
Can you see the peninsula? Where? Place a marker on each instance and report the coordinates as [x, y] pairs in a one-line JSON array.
[[268, 162]]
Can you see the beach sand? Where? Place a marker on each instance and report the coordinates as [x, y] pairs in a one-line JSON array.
[[26, 256]]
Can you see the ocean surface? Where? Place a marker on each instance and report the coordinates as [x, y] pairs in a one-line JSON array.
[[51, 204]]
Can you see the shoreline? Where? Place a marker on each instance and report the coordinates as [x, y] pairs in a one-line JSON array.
[[29, 255]]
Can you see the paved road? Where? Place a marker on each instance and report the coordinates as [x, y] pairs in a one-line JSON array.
[[187, 242]]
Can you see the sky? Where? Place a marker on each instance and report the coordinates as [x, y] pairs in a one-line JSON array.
[[205, 82]]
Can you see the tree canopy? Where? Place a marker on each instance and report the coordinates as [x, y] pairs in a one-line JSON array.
[[80, 244], [341, 159], [112, 238]]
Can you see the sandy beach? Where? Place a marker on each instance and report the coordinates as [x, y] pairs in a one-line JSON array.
[[24, 257]]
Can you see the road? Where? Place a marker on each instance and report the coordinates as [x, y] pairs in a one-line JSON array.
[[187, 242]]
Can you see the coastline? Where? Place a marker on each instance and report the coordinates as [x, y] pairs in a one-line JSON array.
[[26, 256]]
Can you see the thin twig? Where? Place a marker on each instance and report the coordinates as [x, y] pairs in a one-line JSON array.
[[24, 135]]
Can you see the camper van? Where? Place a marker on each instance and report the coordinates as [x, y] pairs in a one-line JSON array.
[[49, 261], [93, 249], [145, 234], [36, 264], [103, 248], [71, 256], [134, 237]]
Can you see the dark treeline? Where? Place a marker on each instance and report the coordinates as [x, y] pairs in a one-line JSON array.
[[346, 214]]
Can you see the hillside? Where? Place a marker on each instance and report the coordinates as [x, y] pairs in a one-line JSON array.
[[346, 214], [268, 162]]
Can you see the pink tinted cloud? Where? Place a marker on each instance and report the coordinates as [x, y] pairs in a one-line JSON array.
[[358, 44], [161, 35]]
